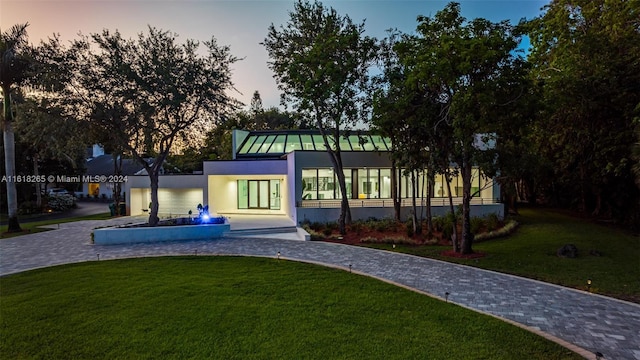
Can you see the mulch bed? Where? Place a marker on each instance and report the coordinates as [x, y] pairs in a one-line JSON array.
[[475, 255]]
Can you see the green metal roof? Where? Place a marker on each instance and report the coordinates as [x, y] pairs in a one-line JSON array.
[[279, 142]]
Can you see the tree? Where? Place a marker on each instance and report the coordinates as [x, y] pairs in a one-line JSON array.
[[256, 103], [148, 93], [470, 64], [398, 114], [14, 68], [49, 135], [585, 58], [321, 62]]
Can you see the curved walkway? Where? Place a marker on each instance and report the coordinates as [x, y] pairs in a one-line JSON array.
[[590, 322]]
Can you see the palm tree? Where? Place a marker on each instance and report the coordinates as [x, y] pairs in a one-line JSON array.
[[13, 69]]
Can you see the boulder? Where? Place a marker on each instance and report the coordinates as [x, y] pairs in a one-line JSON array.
[[568, 251]]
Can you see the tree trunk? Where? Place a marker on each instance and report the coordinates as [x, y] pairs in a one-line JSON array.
[[36, 173], [336, 160], [153, 212], [422, 202], [429, 195], [117, 186], [395, 190], [10, 163], [456, 248], [583, 191], [467, 236], [345, 211], [417, 228]]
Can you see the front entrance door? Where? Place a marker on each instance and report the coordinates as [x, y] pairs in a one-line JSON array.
[[258, 194]]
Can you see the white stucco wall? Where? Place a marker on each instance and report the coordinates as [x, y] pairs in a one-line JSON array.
[[177, 194]]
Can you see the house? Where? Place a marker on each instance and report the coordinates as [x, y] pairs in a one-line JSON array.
[[100, 170], [288, 172]]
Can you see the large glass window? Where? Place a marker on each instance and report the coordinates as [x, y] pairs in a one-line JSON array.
[[266, 144], [385, 183], [307, 143], [309, 184], [247, 145], [293, 143], [275, 194], [326, 184], [323, 184], [319, 141], [347, 182], [278, 145], [345, 145], [364, 186], [258, 194], [440, 187], [379, 143], [243, 194], [475, 182], [257, 144], [356, 142], [374, 180]]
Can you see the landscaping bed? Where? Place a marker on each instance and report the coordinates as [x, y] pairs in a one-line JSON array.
[[389, 231], [606, 260]]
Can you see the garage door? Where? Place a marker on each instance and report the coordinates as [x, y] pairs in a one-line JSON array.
[[177, 202]]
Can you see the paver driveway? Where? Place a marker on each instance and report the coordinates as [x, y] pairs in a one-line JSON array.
[[590, 322]]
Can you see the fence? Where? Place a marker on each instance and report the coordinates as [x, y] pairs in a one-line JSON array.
[[378, 203]]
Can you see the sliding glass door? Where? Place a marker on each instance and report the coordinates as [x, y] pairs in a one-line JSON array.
[[259, 194]]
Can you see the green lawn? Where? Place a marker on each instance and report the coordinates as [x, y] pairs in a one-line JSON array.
[[33, 227], [240, 308], [531, 252]]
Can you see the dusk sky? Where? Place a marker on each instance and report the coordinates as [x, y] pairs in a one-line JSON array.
[[240, 24]]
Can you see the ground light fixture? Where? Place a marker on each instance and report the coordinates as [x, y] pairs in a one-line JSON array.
[[589, 285], [278, 255]]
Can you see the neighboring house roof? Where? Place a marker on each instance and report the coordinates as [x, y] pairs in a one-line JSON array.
[[275, 143], [103, 165]]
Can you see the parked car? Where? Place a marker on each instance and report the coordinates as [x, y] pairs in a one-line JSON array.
[[57, 191]]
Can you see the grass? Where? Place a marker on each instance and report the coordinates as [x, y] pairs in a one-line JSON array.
[[240, 308], [531, 252], [33, 227]]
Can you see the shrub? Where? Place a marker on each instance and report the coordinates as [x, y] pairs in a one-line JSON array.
[[477, 223], [431, 241], [438, 223], [492, 221], [385, 225], [508, 229], [369, 240], [327, 231], [28, 207], [409, 228], [399, 240], [357, 227], [317, 226], [61, 202], [331, 226], [447, 232], [313, 235]]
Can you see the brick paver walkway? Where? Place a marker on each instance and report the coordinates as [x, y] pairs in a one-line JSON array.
[[590, 322]]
